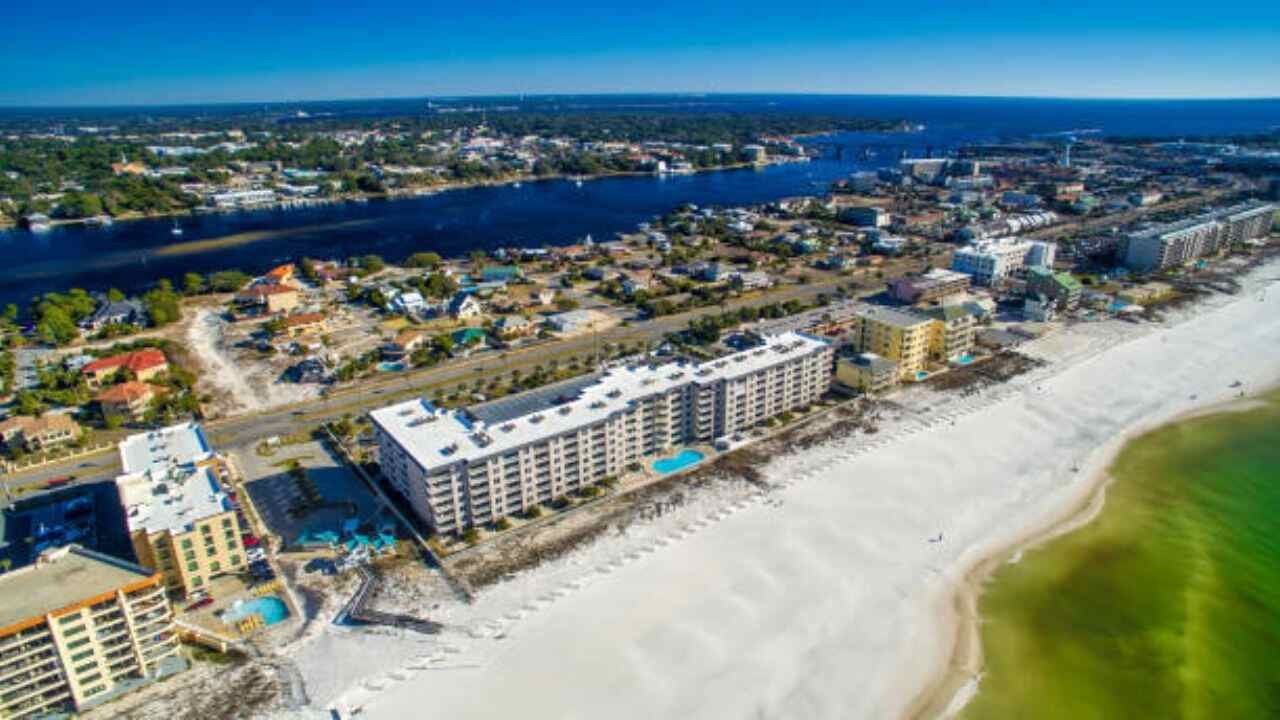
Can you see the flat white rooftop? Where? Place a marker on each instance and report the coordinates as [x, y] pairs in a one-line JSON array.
[[436, 437], [167, 482]]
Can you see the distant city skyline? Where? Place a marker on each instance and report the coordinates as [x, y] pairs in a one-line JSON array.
[[241, 52]]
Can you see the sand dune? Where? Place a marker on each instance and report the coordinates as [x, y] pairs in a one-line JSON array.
[[826, 599]]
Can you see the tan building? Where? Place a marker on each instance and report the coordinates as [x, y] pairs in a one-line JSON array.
[[145, 365], [79, 628], [931, 286], [269, 298], [128, 401], [898, 336], [181, 522], [42, 433], [303, 324]]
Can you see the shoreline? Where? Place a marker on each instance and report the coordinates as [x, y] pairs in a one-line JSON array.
[[949, 689], [823, 595], [407, 193]]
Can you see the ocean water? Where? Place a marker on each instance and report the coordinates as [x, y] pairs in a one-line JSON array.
[[1165, 606]]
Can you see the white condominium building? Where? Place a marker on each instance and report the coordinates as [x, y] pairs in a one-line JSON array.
[[465, 468], [992, 261], [1178, 243]]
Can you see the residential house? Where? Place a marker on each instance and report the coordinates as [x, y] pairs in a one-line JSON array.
[[571, 321], [280, 275], [513, 326], [405, 343], [303, 324], [408, 303], [464, 306], [269, 298], [115, 312], [128, 401], [145, 365], [752, 280], [42, 433]]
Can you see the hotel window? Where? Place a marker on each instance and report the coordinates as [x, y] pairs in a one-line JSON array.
[[186, 544], [197, 581], [192, 567]]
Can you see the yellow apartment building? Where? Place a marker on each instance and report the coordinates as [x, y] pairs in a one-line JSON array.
[[78, 628], [898, 336]]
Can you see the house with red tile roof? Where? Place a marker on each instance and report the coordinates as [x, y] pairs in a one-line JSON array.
[[128, 400], [145, 364], [280, 274]]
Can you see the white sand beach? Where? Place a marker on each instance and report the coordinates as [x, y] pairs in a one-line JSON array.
[[830, 597]]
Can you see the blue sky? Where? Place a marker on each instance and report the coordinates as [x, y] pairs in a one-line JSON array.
[[134, 53]]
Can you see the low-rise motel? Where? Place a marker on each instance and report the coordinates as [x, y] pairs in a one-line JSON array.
[[181, 521], [466, 468], [78, 628]]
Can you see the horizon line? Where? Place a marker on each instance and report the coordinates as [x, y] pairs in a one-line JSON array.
[[647, 93]]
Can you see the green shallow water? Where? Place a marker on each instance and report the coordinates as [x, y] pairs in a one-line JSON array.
[[1165, 606]]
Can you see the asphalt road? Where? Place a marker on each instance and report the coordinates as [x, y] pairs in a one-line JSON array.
[[239, 431]]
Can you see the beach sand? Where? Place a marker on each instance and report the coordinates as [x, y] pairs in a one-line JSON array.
[[832, 595]]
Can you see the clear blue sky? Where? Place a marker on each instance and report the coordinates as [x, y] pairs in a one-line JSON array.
[[133, 53]]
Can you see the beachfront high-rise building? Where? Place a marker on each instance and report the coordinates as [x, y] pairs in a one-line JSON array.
[[78, 628], [1211, 233], [461, 469], [180, 519]]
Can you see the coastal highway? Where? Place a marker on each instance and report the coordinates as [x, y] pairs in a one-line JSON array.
[[246, 430]]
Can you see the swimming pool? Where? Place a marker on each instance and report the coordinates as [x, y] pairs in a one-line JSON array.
[[678, 462], [271, 608], [964, 359], [920, 375], [391, 366]]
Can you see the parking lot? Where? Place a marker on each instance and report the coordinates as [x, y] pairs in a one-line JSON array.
[[295, 508]]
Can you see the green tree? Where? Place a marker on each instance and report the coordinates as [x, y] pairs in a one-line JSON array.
[[115, 295], [162, 304], [228, 281], [427, 260], [192, 283]]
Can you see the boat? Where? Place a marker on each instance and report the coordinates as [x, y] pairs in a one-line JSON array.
[[177, 230], [102, 219], [517, 184], [577, 181]]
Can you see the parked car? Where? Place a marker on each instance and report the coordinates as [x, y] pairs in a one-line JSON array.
[[202, 602]]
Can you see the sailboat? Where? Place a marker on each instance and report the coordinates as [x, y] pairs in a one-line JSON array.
[[177, 230]]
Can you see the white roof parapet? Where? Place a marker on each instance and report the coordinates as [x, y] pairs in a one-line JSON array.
[[453, 437]]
